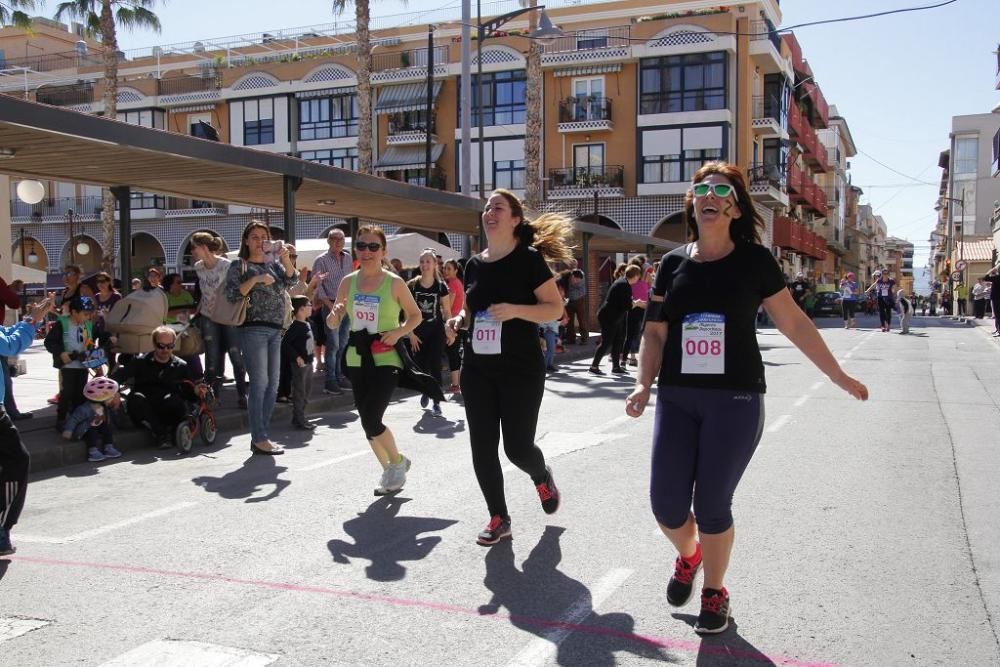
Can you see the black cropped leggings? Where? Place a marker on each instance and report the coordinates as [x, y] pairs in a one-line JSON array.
[[372, 392], [431, 351], [885, 311], [503, 399], [703, 440]]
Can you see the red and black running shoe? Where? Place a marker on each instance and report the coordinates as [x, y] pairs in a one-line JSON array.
[[681, 584], [497, 529]]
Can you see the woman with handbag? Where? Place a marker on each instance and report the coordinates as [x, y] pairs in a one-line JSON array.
[[256, 284], [211, 269]]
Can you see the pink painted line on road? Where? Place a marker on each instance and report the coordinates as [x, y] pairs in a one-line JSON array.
[[661, 642]]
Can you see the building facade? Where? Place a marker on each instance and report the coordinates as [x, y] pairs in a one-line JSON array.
[[636, 95]]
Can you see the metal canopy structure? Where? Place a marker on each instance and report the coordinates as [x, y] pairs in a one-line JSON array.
[[62, 145], [607, 240]]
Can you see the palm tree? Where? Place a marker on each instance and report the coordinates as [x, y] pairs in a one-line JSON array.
[[101, 18], [533, 118], [11, 14], [361, 19]]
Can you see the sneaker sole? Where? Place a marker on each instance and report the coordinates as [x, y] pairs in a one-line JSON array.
[[714, 631], [489, 543], [8, 552], [387, 492]]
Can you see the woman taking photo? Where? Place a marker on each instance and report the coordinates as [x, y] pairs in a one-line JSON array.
[[510, 290], [106, 297], [457, 292], [211, 269], [264, 271], [700, 340], [374, 298], [428, 340]]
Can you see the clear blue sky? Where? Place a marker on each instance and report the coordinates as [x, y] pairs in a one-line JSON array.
[[897, 80]]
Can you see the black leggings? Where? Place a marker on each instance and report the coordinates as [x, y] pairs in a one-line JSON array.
[[703, 440], [160, 415], [428, 357], [612, 339], [501, 398], [372, 391], [14, 464], [885, 311], [455, 353]]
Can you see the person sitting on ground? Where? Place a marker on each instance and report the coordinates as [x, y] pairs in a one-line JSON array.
[[162, 385], [91, 422], [75, 348]]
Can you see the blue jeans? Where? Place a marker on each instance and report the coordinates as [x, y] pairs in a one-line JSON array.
[[550, 336], [336, 341], [262, 355], [219, 339]]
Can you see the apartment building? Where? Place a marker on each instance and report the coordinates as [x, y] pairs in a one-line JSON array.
[[899, 262], [835, 184], [636, 95]]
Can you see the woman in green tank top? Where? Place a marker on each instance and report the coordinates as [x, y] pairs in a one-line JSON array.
[[373, 299]]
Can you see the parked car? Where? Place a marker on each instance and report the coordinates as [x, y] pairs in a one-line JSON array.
[[827, 303]]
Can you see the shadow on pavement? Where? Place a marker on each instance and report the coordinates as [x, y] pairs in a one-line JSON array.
[[4, 564], [256, 473], [538, 595], [726, 649], [384, 538], [440, 427]]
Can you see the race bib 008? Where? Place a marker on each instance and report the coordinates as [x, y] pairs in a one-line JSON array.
[[703, 344]]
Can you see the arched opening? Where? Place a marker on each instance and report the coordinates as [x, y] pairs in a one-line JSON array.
[[671, 228], [602, 220], [437, 237], [342, 226], [185, 262], [85, 251], [34, 256], [146, 252]]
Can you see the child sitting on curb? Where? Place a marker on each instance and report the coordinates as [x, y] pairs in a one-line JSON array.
[[91, 422]]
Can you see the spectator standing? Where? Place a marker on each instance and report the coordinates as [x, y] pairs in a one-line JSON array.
[[933, 300], [979, 299], [612, 315], [633, 326], [457, 291], [72, 341], [72, 275], [992, 278], [9, 299], [962, 297], [335, 263], [298, 346], [154, 278], [14, 458], [261, 277], [576, 307], [105, 298], [798, 288], [849, 299]]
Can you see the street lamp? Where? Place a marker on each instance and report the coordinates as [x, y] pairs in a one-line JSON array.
[[546, 31]]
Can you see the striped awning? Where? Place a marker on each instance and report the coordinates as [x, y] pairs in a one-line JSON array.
[[589, 69], [326, 92], [404, 97], [406, 157]]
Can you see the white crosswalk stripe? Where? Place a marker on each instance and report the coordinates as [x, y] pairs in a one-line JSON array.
[[176, 653], [15, 627]]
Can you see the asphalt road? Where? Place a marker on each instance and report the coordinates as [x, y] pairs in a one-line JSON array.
[[867, 535]]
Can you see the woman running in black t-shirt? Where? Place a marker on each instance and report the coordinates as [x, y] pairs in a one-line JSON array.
[[428, 340], [700, 340], [510, 290]]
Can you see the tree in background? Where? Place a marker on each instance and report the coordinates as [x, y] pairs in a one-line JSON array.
[[101, 19], [11, 12], [533, 118], [364, 52]]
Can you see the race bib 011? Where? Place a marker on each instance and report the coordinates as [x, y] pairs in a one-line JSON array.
[[486, 334], [365, 313], [703, 344]]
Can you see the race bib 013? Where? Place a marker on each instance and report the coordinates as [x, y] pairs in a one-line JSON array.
[[486, 334], [703, 344], [365, 312]]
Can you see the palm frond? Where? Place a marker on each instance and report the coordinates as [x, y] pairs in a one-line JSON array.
[[131, 18], [339, 6], [75, 9]]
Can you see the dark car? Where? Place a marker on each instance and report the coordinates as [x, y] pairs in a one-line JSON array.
[[827, 303]]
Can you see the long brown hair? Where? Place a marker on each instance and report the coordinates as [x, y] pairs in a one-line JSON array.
[[548, 233], [254, 224], [748, 226]]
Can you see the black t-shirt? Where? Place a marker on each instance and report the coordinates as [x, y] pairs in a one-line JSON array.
[[512, 279], [711, 310], [616, 304], [994, 287], [429, 300], [799, 288]]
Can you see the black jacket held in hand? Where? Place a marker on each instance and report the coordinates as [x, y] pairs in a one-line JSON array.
[[410, 377]]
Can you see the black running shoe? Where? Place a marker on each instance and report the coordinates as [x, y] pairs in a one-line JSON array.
[[619, 370], [594, 370], [548, 493], [680, 585], [714, 616], [497, 529]]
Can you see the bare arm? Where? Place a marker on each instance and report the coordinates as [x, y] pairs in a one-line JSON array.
[[410, 308], [799, 329], [548, 308], [340, 305], [654, 337]]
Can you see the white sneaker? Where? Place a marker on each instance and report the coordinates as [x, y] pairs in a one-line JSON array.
[[397, 473]]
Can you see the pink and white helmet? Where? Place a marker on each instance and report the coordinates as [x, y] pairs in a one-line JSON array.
[[100, 390]]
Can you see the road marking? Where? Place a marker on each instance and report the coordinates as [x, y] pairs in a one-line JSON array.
[[557, 443], [542, 649], [339, 459], [801, 401], [15, 627], [76, 537], [176, 653], [778, 423], [849, 355], [816, 386]]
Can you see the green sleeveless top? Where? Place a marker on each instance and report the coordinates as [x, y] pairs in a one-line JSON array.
[[377, 312]]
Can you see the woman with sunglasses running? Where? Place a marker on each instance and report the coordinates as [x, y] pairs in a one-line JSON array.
[[510, 290], [375, 299], [700, 340]]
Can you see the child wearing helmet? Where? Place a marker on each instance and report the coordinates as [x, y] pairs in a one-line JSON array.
[[74, 350], [91, 422]]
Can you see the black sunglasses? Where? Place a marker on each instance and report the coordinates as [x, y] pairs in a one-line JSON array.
[[165, 346], [373, 247]]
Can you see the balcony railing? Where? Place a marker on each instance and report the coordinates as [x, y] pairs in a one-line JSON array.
[[386, 60], [593, 39], [585, 107], [187, 84], [767, 174], [767, 106], [607, 176], [64, 96], [762, 30], [56, 207], [50, 62], [398, 125]]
